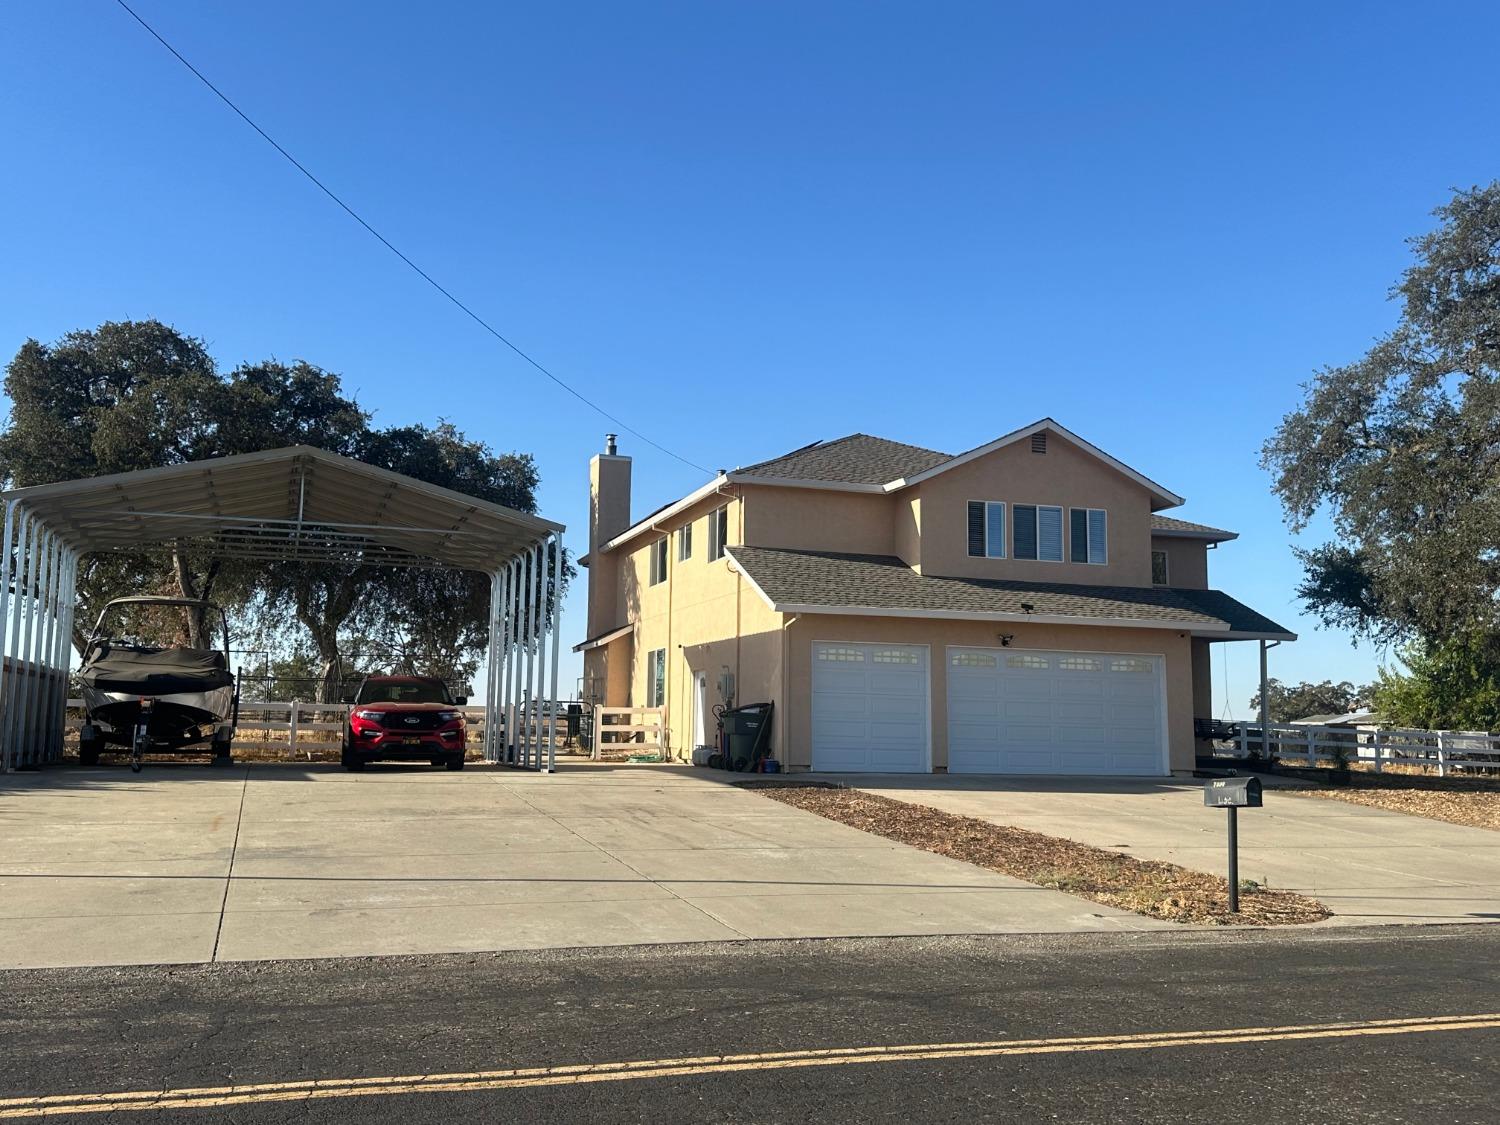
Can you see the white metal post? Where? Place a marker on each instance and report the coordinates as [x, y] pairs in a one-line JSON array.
[[1265, 704], [41, 540], [541, 653], [15, 689], [554, 618], [63, 648], [46, 656], [513, 673], [492, 656], [533, 675], [7, 634], [1442, 756]]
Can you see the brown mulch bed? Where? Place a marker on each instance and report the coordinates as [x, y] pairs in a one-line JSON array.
[[1458, 800], [1157, 890]]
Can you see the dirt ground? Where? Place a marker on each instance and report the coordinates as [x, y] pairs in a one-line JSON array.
[[1471, 801], [1157, 890]]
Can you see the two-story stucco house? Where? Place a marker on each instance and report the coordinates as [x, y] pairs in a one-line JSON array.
[[1019, 608]]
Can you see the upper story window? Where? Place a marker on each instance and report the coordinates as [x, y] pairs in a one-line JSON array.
[[1159, 575], [986, 529], [684, 542], [658, 562], [1037, 532], [718, 532], [1090, 535]]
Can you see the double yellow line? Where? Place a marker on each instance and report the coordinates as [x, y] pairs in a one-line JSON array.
[[202, 1097]]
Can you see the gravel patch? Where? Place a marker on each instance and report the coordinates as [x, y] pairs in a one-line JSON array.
[[1157, 890]]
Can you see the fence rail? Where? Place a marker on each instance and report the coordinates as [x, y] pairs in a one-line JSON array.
[[1444, 751], [636, 730]]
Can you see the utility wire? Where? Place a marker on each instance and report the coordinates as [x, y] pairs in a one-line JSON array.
[[423, 274]]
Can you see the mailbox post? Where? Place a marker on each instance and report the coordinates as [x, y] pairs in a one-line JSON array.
[[1233, 794]]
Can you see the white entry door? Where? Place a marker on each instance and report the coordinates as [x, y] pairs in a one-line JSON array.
[[1055, 712], [869, 708]]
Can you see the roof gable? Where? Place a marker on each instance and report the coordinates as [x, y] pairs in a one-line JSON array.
[[1160, 497]]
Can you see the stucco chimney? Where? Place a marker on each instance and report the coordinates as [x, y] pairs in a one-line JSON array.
[[609, 514]]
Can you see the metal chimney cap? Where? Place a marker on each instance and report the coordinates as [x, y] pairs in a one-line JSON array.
[[609, 444]]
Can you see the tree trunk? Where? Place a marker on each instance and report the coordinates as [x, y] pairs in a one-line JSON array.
[[199, 628], [323, 606]]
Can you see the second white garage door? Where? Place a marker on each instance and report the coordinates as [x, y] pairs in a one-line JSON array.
[[869, 708], [1054, 712]]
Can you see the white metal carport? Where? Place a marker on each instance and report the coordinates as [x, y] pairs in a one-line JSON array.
[[297, 504]]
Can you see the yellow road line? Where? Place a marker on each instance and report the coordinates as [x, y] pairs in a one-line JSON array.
[[581, 1073]]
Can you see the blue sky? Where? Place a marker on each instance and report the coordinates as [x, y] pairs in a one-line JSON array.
[[747, 226]]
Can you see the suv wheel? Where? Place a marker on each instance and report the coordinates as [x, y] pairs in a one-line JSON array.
[[351, 761], [456, 762]]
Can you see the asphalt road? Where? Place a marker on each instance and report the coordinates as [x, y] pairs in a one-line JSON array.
[[73, 1032]]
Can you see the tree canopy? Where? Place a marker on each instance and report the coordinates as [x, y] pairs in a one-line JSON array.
[[139, 394], [1286, 703], [1402, 449]]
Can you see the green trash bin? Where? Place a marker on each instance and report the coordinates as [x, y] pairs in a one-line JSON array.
[[747, 732]]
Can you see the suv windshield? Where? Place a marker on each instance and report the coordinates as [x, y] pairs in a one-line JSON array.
[[403, 691]]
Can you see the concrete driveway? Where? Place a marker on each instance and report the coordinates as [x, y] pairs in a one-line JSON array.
[[1367, 865], [183, 864]]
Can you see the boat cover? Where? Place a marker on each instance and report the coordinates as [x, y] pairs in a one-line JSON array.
[[155, 671]]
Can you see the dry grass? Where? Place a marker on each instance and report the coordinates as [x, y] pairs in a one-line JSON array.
[[1157, 890], [1458, 800]]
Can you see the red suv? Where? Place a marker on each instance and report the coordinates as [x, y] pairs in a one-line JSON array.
[[404, 719]]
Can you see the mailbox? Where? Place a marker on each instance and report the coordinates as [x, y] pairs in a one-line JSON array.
[[1232, 793]]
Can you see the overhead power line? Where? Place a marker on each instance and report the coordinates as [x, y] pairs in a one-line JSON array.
[[420, 272]]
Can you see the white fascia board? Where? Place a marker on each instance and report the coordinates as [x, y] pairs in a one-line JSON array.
[[666, 513], [796, 482], [1018, 618], [1211, 536], [1241, 635], [1170, 499]]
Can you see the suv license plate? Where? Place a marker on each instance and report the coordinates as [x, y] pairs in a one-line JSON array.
[[412, 741]]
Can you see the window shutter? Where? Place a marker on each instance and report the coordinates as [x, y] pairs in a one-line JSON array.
[[976, 529], [1023, 519], [1098, 537], [1078, 531], [1049, 534]]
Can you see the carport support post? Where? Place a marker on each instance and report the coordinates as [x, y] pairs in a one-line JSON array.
[[36, 580], [1234, 856], [513, 670], [47, 655], [541, 646], [533, 618], [13, 649], [554, 618], [5, 632], [1265, 704], [492, 682]]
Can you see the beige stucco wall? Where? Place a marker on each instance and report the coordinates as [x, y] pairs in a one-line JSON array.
[[1187, 561], [1065, 476], [908, 529], [1175, 647], [706, 617], [815, 519]]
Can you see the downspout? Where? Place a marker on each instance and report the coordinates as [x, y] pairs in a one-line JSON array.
[[783, 725]]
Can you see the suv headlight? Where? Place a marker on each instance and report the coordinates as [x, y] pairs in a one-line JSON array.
[[371, 716], [449, 716]]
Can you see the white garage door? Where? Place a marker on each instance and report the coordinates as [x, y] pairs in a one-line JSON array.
[[1054, 712], [869, 708]]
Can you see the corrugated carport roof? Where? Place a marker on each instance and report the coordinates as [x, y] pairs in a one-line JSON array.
[[297, 504]]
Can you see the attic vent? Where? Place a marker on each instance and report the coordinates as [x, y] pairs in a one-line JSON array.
[[1039, 443]]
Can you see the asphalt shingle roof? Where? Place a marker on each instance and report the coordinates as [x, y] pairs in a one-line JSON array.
[[1167, 523], [835, 581], [856, 459]]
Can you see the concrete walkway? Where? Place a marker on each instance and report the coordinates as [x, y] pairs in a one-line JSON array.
[[1367, 865], [183, 863]]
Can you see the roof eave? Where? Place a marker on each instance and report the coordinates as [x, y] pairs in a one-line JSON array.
[[1007, 618], [1208, 536]]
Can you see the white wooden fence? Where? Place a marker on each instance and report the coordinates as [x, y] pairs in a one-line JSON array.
[[1443, 751], [635, 730]]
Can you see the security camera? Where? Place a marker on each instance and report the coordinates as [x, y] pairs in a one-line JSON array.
[[1006, 638]]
